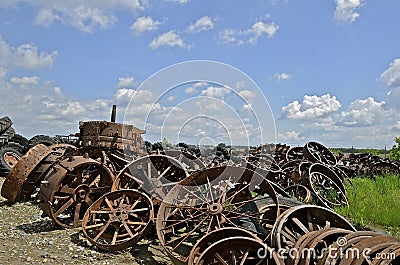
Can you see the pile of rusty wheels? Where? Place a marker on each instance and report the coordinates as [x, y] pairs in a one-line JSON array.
[[268, 209]]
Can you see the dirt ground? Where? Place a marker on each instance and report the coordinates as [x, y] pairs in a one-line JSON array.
[[26, 238]]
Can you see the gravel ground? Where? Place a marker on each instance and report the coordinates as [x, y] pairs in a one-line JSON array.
[[26, 238]]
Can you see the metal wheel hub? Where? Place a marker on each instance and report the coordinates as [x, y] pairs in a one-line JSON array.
[[119, 216], [81, 192], [215, 208]]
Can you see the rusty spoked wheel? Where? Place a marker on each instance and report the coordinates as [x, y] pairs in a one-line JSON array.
[[209, 200], [326, 185], [12, 185], [339, 248], [299, 192], [302, 219], [239, 251], [118, 219], [295, 153], [70, 187], [154, 174], [318, 242], [213, 237], [190, 161], [316, 152], [290, 169], [374, 245], [280, 178], [263, 162]]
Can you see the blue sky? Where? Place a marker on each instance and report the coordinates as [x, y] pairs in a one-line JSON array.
[[330, 70]]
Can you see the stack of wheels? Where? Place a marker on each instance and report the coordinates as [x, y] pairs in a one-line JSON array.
[[120, 218], [333, 243]]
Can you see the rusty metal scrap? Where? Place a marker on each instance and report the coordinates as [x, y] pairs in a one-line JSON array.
[[11, 188], [205, 211]]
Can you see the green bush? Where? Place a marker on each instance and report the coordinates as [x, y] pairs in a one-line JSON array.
[[394, 153]]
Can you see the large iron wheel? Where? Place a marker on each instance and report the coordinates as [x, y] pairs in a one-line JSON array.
[[209, 200], [213, 237], [239, 251], [71, 187], [11, 188], [302, 219], [154, 174], [316, 152], [327, 186], [118, 219], [190, 161]]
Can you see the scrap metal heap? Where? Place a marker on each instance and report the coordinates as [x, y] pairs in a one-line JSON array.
[[203, 212]]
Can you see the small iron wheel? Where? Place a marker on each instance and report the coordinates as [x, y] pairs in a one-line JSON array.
[[118, 219]]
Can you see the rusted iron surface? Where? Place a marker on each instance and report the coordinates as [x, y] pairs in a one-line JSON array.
[[239, 250], [111, 135], [213, 237], [209, 200], [32, 182], [154, 174], [205, 211], [118, 219], [300, 220], [71, 186], [26, 165]]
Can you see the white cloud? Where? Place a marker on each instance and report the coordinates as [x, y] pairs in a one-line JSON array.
[[202, 24], [25, 56], [247, 94], [391, 76], [365, 112], [347, 10], [213, 91], [282, 76], [125, 82], [86, 16], [124, 95], [229, 36], [261, 29], [393, 98], [190, 90], [145, 23], [258, 30], [312, 107], [25, 80], [171, 98], [57, 91], [193, 89], [28, 56], [170, 38], [290, 136]]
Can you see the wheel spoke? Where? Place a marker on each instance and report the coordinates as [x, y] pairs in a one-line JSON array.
[[77, 213], [102, 230], [64, 207]]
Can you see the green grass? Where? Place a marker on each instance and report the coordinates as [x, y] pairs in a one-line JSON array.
[[374, 203]]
